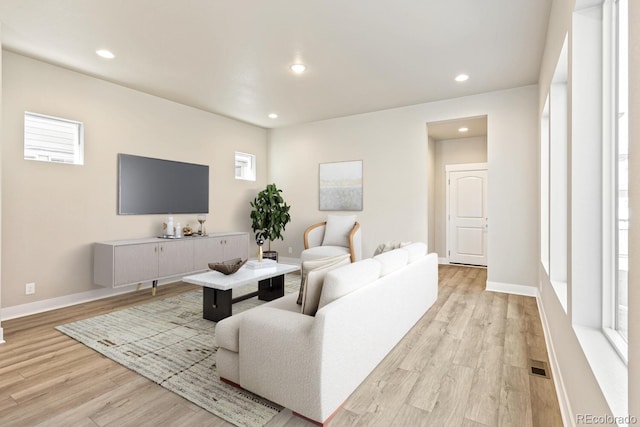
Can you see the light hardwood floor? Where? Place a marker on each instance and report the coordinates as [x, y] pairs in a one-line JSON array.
[[465, 363]]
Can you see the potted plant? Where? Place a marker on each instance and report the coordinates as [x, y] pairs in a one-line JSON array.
[[269, 217]]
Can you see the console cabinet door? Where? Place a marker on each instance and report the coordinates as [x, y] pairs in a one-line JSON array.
[[207, 250], [236, 246], [175, 257], [135, 263]]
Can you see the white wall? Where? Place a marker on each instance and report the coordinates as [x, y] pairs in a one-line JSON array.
[[431, 194], [451, 152], [52, 213], [393, 145]]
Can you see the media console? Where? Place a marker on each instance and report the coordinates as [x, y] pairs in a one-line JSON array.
[[128, 262]]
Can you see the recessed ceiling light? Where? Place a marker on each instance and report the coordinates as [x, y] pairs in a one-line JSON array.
[[463, 129], [462, 78], [273, 116], [298, 68], [105, 54]]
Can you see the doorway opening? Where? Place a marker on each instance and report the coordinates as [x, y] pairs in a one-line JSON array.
[[464, 239]]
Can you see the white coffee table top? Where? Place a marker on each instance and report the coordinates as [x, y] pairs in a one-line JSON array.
[[244, 276]]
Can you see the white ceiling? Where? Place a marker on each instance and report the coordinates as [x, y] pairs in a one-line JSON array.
[[450, 129], [233, 57]]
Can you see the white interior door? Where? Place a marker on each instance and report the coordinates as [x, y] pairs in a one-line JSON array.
[[467, 216]]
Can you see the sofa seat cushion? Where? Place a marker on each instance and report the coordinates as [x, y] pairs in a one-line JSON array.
[[227, 330], [392, 261], [318, 252], [344, 280]]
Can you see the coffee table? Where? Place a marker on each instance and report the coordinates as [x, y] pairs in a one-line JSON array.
[[217, 287]]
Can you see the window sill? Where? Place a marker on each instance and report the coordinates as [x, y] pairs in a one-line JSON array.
[[608, 367]]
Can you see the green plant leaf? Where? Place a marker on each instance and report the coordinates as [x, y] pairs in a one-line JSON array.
[[270, 214]]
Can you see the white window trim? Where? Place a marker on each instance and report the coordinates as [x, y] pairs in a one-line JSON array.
[[78, 153], [250, 173]]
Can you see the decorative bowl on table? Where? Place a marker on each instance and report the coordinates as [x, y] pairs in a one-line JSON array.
[[227, 267]]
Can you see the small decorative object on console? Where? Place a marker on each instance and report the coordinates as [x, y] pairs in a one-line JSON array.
[[259, 242], [169, 229], [227, 267], [201, 230], [187, 230]]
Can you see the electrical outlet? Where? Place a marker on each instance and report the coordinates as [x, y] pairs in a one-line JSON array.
[[290, 250], [30, 288]]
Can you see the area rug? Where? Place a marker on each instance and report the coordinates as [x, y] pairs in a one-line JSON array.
[[169, 342]]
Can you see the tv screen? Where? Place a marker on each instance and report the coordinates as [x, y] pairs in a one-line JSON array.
[[156, 186]]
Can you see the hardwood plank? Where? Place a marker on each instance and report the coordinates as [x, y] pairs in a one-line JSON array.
[[515, 343], [515, 398], [544, 404], [411, 416], [452, 397], [114, 398], [6, 402], [470, 423], [384, 394], [484, 396], [344, 418], [426, 392]]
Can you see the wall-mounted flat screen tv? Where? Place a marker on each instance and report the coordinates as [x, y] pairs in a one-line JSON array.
[[156, 186]]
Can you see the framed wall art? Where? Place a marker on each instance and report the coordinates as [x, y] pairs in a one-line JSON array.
[[341, 186]]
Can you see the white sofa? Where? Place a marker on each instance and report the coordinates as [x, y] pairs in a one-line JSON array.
[[312, 364]]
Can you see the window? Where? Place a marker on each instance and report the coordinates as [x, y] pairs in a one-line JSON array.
[[544, 186], [621, 164], [52, 139], [558, 177], [615, 180], [245, 166]]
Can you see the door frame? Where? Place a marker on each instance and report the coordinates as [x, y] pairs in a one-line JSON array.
[[461, 167]]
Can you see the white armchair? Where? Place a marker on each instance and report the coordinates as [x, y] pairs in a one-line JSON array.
[[338, 235]]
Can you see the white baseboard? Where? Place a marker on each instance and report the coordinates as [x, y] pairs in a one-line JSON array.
[[68, 300], [1, 336], [561, 391], [443, 260], [509, 288]]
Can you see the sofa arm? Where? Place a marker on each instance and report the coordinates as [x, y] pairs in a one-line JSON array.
[[280, 358]]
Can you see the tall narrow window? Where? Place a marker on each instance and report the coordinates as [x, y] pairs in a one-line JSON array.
[[622, 167], [544, 187], [558, 178], [52, 139]]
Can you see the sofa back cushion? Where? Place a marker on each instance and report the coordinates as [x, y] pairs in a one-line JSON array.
[[392, 260], [416, 251], [313, 283], [347, 279]]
